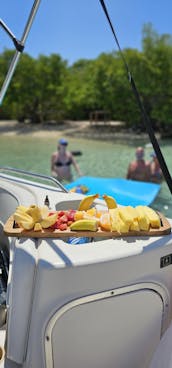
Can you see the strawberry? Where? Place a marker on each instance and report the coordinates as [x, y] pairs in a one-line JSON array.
[[63, 226], [64, 219], [71, 216], [56, 225], [61, 213]]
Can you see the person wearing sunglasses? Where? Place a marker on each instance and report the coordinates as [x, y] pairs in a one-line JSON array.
[[62, 161]]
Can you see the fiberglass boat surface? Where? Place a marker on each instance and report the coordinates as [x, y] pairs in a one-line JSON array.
[[102, 303]]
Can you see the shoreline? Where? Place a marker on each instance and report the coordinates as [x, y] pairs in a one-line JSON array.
[[111, 131]]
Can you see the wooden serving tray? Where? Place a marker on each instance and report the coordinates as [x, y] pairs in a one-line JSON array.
[[12, 231]]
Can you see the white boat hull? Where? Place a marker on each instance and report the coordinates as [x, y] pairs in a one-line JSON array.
[[101, 304]]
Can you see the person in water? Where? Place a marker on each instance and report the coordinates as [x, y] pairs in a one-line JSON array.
[[155, 169], [61, 162], [139, 169]]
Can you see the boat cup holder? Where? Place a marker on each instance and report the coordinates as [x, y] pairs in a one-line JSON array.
[[66, 205]]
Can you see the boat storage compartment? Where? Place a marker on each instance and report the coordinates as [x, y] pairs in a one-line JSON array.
[[102, 304], [94, 305], [107, 330]]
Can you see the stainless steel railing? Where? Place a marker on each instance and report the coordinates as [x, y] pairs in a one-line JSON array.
[[36, 175]]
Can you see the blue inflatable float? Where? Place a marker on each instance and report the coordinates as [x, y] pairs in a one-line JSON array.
[[126, 192]]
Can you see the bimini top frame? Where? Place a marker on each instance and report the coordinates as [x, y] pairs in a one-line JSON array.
[[19, 45]]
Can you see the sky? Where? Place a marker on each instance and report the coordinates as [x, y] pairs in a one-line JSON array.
[[78, 29]]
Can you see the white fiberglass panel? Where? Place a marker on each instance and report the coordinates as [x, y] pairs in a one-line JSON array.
[[121, 331], [19, 298]]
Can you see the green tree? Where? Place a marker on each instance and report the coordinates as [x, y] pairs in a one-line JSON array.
[[158, 50], [46, 88], [80, 96], [5, 60], [50, 92]]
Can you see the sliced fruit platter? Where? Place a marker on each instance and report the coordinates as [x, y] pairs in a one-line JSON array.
[[87, 220]]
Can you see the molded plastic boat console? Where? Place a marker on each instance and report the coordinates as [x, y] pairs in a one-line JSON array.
[[100, 304]]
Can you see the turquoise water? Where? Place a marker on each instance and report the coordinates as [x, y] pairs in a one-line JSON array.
[[103, 159]]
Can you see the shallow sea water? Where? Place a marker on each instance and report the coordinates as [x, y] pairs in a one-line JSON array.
[[99, 158]]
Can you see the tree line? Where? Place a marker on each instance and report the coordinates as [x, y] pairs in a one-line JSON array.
[[48, 89]]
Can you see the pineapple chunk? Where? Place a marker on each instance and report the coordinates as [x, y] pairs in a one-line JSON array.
[[125, 215], [135, 226], [27, 225], [37, 227], [153, 217], [143, 220], [133, 213], [123, 227], [114, 219], [21, 208], [117, 224]]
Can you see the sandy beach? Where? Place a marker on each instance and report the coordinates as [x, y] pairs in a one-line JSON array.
[[77, 129], [13, 127]]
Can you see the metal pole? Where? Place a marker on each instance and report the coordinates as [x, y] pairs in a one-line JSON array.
[[18, 53]]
